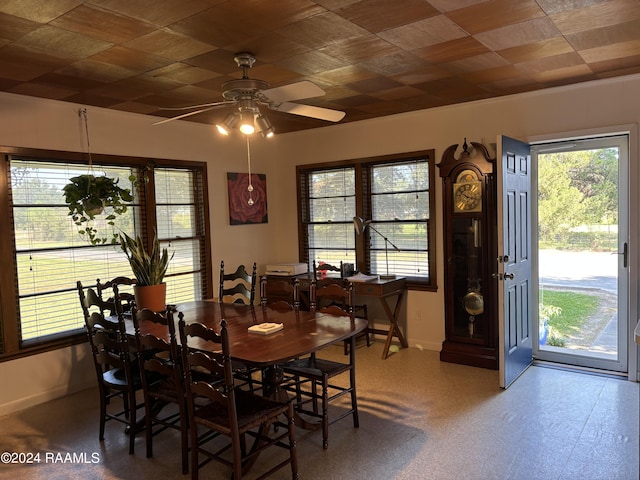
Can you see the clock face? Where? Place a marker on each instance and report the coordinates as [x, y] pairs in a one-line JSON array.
[[467, 176], [467, 197]]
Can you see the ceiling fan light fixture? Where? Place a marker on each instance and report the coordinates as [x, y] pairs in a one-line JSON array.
[[229, 122], [268, 133], [265, 126], [246, 122]]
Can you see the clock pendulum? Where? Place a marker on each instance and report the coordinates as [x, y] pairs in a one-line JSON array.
[[473, 302]]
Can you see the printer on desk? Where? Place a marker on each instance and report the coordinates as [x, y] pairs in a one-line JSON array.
[[286, 269]]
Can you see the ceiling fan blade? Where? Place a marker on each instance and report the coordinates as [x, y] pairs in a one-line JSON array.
[[204, 105], [310, 111], [184, 115], [293, 91]]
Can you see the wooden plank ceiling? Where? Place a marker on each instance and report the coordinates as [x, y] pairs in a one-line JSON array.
[[371, 57]]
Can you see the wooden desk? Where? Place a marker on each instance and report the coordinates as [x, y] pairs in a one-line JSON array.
[[384, 290]]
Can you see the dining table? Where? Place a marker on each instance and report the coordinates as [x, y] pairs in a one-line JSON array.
[[303, 332]]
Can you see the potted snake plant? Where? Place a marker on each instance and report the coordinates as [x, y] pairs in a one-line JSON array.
[[149, 269]]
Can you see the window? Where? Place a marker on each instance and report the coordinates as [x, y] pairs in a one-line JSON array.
[[181, 221], [400, 212], [48, 255], [392, 193], [331, 208]]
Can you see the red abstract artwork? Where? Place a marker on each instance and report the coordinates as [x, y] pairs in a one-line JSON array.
[[247, 199]]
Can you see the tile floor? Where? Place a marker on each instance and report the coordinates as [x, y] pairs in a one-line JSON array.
[[419, 419]]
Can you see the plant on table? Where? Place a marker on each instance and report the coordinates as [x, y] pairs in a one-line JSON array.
[[149, 267]]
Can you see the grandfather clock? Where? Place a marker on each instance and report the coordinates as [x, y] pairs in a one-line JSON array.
[[470, 249]]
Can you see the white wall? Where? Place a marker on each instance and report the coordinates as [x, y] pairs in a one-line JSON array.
[[36, 123], [33, 380], [579, 108]]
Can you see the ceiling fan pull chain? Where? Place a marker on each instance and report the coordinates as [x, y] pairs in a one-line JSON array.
[[250, 187]]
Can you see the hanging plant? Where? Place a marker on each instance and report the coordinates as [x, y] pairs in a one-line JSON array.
[[89, 195]]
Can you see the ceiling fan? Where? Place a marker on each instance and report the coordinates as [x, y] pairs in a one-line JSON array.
[[248, 94]]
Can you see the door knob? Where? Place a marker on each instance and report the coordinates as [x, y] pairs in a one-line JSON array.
[[509, 276]]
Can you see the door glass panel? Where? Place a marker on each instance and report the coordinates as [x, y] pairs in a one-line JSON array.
[[581, 241]]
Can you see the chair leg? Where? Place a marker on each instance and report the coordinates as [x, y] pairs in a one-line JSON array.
[[194, 450], [352, 384], [354, 406], [127, 407], [249, 379], [148, 427], [366, 330], [314, 395], [292, 443], [132, 420], [296, 381], [325, 412], [237, 448], [103, 411], [184, 438]]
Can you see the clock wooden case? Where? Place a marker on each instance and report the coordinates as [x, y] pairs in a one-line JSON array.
[[470, 248]]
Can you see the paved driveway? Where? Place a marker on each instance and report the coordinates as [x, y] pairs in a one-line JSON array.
[[579, 269]]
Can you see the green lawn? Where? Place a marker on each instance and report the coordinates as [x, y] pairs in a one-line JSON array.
[[575, 309]]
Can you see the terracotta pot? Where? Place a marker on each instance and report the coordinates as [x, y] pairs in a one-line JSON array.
[[153, 297]]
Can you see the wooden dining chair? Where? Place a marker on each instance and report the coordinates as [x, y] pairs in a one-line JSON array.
[[279, 294], [126, 297], [162, 376], [360, 310], [113, 361], [227, 411], [237, 287], [311, 371]]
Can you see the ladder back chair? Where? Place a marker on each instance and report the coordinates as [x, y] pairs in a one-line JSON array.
[[127, 298], [313, 371], [322, 280], [116, 370], [225, 410], [279, 294], [162, 379], [237, 287]]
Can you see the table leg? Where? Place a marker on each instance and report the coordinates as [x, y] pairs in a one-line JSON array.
[[394, 328], [272, 378]]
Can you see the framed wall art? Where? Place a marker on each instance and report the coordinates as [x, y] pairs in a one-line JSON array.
[[247, 198]]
